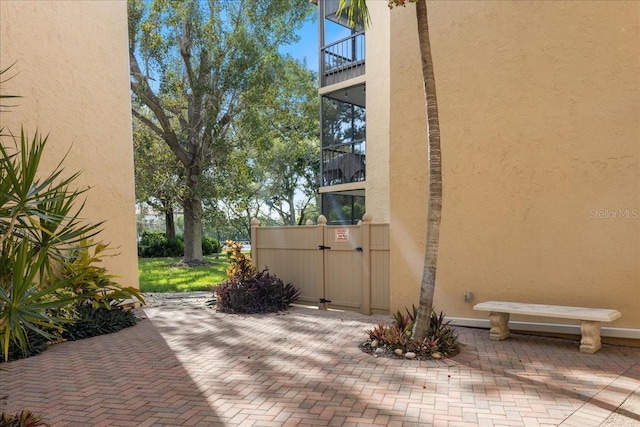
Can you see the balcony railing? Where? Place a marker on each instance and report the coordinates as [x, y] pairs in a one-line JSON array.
[[344, 163], [343, 59]]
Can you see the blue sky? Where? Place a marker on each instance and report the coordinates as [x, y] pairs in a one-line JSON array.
[[307, 47]]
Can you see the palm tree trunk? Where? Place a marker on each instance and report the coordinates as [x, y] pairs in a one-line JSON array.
[[434, 210], [357, 13]]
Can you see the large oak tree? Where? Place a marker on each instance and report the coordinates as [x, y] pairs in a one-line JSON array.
[[197, 67]]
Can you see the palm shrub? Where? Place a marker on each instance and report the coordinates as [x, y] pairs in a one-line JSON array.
[[37, 344], [248, 291], [37, 225], [25, 306], [41, 235], [82, 301], [43, 211]]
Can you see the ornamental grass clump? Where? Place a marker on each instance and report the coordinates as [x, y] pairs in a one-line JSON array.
[[248, 291], [394, 339]]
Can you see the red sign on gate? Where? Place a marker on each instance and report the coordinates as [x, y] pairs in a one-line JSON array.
[[342, 234]]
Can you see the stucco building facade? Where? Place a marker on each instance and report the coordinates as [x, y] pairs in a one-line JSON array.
[[71, 68], [540, 125]]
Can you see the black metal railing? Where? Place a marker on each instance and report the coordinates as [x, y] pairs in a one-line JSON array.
[[343, 59], [343, 163]]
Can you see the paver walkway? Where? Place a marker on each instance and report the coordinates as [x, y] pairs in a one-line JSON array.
[[184, 366]]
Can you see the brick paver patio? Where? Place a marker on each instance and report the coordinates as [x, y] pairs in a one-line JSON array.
[[184, 366]]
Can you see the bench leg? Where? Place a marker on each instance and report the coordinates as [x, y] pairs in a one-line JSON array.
[[590, 342], [499, 326]]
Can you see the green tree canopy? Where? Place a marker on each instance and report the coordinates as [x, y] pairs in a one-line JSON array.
[[200, 68], [159, 175]]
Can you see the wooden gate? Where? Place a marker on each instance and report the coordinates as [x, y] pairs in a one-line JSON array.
[[343, 259], [341, 267]]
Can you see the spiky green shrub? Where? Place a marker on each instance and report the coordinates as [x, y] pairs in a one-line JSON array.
[[36, 344], [79, 322], [21, 419], [441, 340], [25, 304], [45, 264], [38, 223]]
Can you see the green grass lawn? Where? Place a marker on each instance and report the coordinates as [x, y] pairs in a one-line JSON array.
[[157, 275]]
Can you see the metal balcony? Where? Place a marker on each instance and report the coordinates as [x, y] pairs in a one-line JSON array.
[[343, 59]]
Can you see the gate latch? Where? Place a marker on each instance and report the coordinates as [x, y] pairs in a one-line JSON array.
[[324, 300], [323, 247], [358, 249]]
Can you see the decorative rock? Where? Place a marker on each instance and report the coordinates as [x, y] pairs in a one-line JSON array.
[[379, 351], [410, 355], [374, 344], [398, 351], [436, 355]]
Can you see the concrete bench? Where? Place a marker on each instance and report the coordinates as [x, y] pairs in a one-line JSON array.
[[590, 317]]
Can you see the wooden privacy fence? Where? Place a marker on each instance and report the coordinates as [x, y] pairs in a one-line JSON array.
[[334, 266]]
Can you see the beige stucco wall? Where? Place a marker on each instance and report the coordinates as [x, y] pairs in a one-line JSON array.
[[407, 160], [540, 121], [379, 93], [71, 68]]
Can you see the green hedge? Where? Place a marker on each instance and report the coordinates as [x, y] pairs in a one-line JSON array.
[[154, 244]]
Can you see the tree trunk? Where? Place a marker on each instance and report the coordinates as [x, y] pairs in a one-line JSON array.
[[170, 225], [292, 209], [434, 210], [193, 232], [192, 220]]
